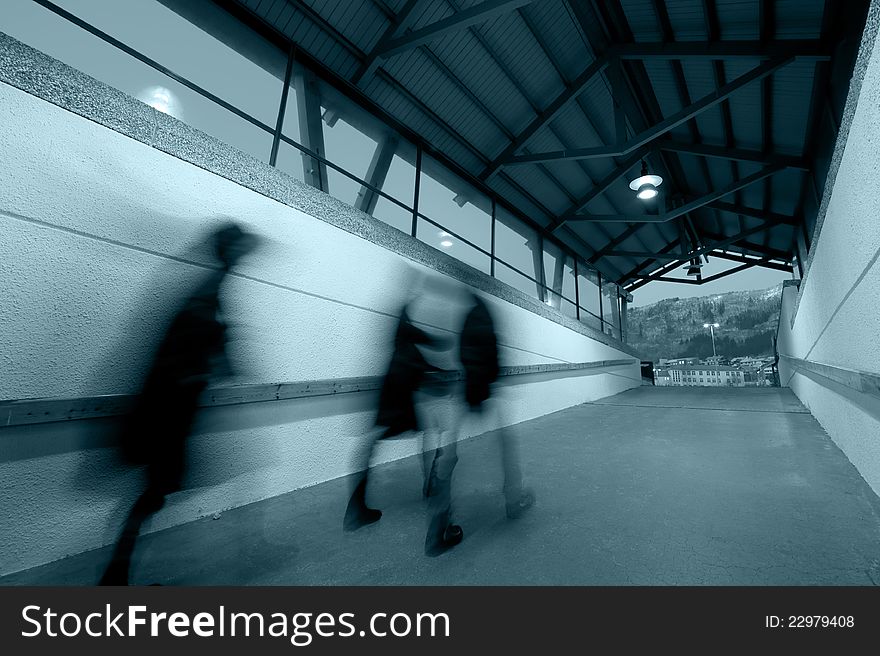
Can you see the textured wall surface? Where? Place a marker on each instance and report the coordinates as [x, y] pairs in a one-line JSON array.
[[835, 320], [100, 238]]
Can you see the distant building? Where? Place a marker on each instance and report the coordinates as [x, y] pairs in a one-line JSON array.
[[717, 360], [703, 375], [677, 362], [753, 363]]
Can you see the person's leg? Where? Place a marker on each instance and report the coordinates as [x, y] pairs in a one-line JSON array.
[[442, 533], [517, 498], [149, 502], [432, 438], [357, 513]]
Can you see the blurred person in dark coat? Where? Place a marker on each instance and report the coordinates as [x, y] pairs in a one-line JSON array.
[[397, 413], [154, 432], [478, 352]]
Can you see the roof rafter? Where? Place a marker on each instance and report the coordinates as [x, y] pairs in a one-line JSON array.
[[542, 119], [810, 49], [458, 21], [736, 185], [738, 154], [661, 128], [398, 24]]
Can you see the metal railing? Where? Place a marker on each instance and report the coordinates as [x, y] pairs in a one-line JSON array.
[[50, 410]]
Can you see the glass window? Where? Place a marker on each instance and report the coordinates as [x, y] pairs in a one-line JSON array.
[[451, 202], [611, 310], [588, 293], [558, 276], [443, 241], [349, 148], [399, 183], [290, 160], [515, 245], [516, 280], [393, 214], [61, 39], [568, 309], [290, 127], [171, 40]]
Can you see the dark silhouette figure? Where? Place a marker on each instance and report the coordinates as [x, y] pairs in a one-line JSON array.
[[154, 432], [397, 414], [478, 352]]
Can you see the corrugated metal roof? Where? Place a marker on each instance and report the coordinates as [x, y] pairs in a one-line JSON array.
[[469, 92]]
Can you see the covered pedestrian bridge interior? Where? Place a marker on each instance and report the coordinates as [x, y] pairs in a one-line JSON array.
[[487, 145]]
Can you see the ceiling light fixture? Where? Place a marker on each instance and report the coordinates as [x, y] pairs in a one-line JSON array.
[[646, 185]]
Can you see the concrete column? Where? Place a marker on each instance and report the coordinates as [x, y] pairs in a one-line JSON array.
[[376, 174], [308, 96]]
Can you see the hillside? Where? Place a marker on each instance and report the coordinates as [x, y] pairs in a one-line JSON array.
[[674, 327]]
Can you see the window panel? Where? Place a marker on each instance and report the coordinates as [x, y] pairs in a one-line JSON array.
[[290, 160], [443, 241], [400, 181], [394, 215], [290, 126], [69, 43], [516, 280], [352, 150], [171, 40], [611, 310], [515, 243], [451, 202], [588, 290]]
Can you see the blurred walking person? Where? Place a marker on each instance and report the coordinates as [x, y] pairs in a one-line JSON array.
[[397, 414], [154, 433], [478, 352]]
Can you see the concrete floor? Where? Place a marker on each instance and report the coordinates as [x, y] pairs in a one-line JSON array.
[[655, 486]]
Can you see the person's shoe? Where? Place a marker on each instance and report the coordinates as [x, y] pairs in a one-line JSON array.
[[115, 574], [521, 503], [452, 535], [356, 518]]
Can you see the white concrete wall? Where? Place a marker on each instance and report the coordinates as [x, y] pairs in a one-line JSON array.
[[838, 317], [98, 240]]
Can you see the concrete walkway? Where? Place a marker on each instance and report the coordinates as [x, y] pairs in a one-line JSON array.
[[655, 486]]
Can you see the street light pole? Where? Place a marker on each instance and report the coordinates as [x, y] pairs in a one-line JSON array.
[[712, 327]]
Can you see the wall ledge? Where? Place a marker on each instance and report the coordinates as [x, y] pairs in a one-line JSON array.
[[49, 410]]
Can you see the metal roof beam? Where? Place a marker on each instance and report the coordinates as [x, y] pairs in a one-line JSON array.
[[758, 249], [552, 57], [542, 119], [755, 213], [666, 268], [660, 277], [736, 185], [602, 186], [738, 154], [747, 260], [601, 24], [400, 23], [458, 21], [730, 272], [694, 254], [813, 50], [721, 255], [661, 128]]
